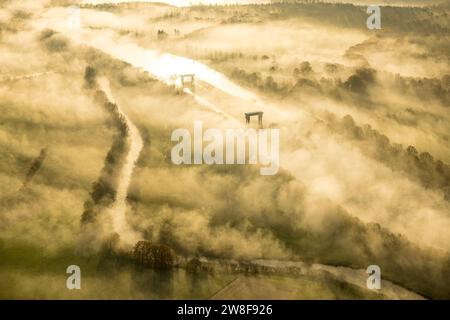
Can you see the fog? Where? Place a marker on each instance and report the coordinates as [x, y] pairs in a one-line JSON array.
[[346, 194]]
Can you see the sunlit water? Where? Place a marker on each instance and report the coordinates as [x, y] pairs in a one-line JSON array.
[[164, 66]]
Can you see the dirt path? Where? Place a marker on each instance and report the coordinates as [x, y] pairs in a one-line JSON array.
[[118, 209], [26, 76]]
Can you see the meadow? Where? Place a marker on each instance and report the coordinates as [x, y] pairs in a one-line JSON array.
[[364, 150]]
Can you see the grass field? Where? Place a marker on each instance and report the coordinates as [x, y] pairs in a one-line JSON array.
[[364, 147]]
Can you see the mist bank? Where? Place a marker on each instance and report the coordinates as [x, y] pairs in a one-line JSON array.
[[344, 197]]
